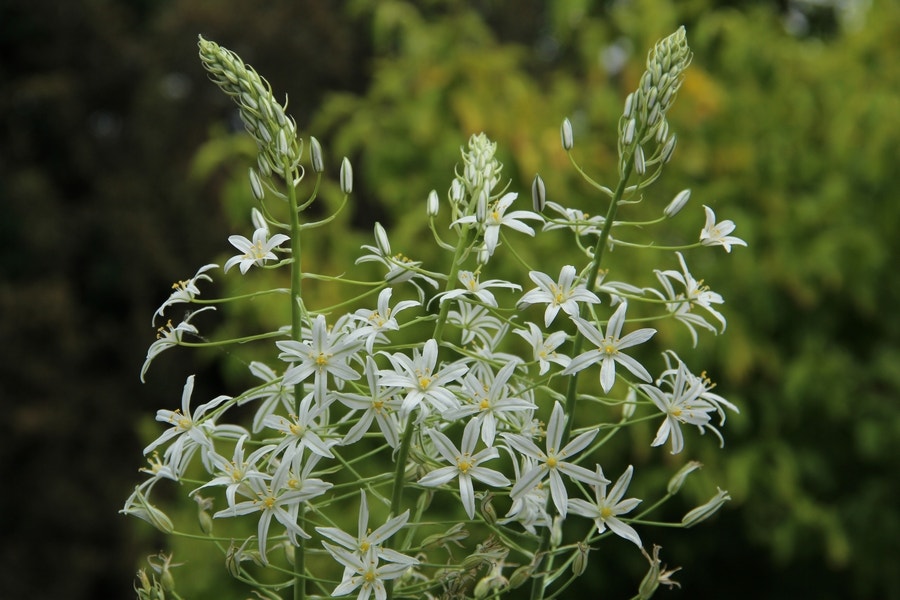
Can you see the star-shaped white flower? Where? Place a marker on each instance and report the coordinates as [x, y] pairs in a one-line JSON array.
[[465, 465], [185, 291], [553, 462], [716, 234], [479, 289], [170, 335], [368, 543], [608, 349], [325, 353], [544, 349], [256, 251], [496, 216], [562, 294], [606, 509], [421, 381]]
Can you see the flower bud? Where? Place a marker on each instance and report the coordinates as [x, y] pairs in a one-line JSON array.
[[677, 203], [256, 185], [639, 165], [456, 191], [315, 154], [433, 204], [556, 532], [628, 135], [678, 478], [538, 194], [630, 404], [705, 511], [669, 149], [568, 139], [346, 176], [629, 106]]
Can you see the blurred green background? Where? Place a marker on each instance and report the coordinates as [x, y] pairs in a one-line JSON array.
[[122, 169]]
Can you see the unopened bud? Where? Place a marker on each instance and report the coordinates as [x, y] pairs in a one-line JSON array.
[[315, 154], [630, 404], [568, 138], [456, 191], [678, 478], [433, 204], [256, 185], [669, 149], [628, 135], [639, 165], [538, 194], [705, 511], [556, 532], [629, 106], [677, 203], [346, 176], [481, 207]]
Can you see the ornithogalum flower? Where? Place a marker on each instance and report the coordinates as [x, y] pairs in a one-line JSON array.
[[465, 465], [564, 294], [608, 349], [552, 463], [606, 508], [716, 234]]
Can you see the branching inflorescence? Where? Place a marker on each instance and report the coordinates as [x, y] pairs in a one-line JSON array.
[[438, 384]]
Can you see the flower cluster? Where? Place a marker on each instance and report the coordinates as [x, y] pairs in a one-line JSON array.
[[487, 394]]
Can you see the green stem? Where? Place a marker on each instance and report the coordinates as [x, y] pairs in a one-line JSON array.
[[297, 335]]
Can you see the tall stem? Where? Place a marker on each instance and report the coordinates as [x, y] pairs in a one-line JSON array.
[[297, 335]]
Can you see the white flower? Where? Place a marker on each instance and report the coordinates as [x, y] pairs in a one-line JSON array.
[[608, 350], [557, 295], [326, 352], [479, 289], [552, 462], [489, 401], [377, 405], [465, 465], [682, 404], [681, 305], [169, 336], [237, 471], [300, 430], [256, 251], [188, 431], [716, 234], [474, 322], [578, 221], [365, 573], [544, 350], [279, 498], [607, 508], [420, 380], [496, 216], [185, 291], [368, 544], [529, 509], [375, 322]]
